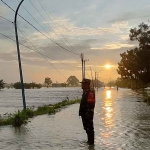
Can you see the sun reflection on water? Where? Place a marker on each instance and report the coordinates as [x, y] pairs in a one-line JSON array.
[[108, 94], [108, 114]]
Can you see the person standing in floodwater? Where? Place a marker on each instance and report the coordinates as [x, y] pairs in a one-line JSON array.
[[86, 110], [117, 88]]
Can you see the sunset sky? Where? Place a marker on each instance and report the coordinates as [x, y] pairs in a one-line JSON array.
[[97, 28]]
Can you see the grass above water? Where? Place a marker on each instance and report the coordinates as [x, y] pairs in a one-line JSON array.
[[21, 117]]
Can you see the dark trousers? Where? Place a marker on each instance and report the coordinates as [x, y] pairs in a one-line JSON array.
[[87, 121]]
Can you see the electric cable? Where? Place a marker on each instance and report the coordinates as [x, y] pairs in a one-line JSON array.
[[41, 4], [34, 46], [40, 31], [33, 50], [44, 18]]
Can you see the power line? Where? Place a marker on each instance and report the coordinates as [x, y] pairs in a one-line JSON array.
[[46, 22], [40, 52], [6, 19], [35, 19], [44, 18], [38, 22], [33, 45], [33, 50], [54, 23], [40, 31]]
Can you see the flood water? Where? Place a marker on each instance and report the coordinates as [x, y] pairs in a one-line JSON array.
[[11, 99], [121, 121]]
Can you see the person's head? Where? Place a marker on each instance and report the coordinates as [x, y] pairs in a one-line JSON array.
[[85, 84]]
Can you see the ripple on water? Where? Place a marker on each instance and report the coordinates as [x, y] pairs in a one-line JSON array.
[[121, 123]]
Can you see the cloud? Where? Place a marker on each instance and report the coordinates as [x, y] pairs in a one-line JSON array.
[[6, 27], [138, 14], [124, 37], [113, 46], [64, 61], [34, 59], [3, 10], [58, 53], [11, 56], [67, 28]]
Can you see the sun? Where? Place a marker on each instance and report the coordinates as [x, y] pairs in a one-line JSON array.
[[107, 66]]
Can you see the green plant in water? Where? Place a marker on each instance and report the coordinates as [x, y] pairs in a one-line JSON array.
[[21, 117]]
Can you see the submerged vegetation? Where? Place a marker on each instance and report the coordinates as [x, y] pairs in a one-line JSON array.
[[21, 117]]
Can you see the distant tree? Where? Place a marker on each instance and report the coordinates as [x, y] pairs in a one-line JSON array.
[[72, 81], [2, 83], [38, 86], [128, 67], [63, 84], [27, 85], [124, 83], [111, 83], [48, 81], [33, 85], [17, 85]]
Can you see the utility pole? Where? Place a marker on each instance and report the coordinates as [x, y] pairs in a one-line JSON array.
[[84, 66], [95, 79], [19, 58]]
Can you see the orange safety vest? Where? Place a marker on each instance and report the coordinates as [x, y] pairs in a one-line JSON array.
[[91, 97]]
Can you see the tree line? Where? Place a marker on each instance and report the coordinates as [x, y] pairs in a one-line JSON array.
[[71, 81], [31, 85], [134, 66], [2, 83]]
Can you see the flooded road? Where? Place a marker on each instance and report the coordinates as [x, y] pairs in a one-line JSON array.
[[121, 121]]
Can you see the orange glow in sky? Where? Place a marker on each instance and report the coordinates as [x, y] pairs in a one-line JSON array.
[[107, 66]]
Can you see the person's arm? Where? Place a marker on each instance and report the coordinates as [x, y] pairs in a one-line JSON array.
[[83, 102], [80, 109], [81, 106]]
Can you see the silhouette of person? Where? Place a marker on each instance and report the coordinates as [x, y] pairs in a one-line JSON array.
[[86, 111]]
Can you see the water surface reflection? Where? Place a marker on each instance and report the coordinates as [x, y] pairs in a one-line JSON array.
[[120, 122], [108, 114]]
